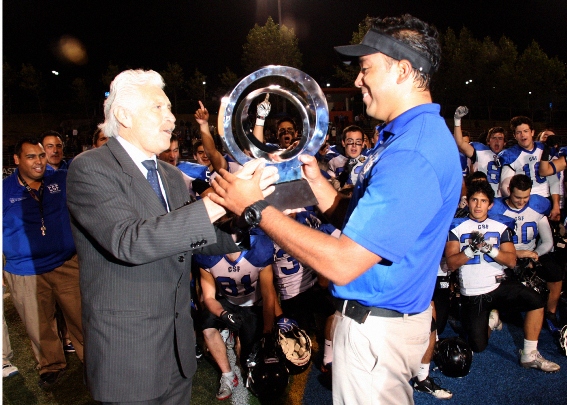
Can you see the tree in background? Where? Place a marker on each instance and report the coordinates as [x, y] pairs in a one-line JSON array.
[[195, 87], [487, 76], [543, 79], [346, 73], [271, 44], [228, 80], [174, 80]]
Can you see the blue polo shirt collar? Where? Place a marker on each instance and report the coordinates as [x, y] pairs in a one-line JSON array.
[[387, 130]]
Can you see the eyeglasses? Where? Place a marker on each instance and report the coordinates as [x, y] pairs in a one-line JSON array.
[[351, 141], [283, 131]]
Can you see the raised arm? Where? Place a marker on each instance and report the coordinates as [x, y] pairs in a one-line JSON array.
[[217, 159], [465, 147], [262, 112]]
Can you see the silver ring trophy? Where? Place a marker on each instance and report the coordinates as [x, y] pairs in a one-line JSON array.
[[291, 190]]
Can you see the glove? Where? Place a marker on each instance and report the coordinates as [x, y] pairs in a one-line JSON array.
[[485, 247], [545, 153], [460, 112], [232, 321], [497, 161], [476, 239], [262, 111], [552, 141], [285, 324], [489, 249]]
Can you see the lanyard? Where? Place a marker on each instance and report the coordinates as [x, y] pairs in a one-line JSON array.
[[38, 199]]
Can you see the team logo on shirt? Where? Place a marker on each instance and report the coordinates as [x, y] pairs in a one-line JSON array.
[[14, 200], [368, 165], [54, 188]]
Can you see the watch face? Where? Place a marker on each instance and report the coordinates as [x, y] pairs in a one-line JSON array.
[[251, 216]]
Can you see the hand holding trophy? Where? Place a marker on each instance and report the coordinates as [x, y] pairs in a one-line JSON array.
[[291, 190]]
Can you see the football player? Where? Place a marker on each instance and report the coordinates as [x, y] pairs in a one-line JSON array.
[[481, 247], [344, 169], [524, 158], [483, 157], [286, 129], [530, 213], [238, 294]]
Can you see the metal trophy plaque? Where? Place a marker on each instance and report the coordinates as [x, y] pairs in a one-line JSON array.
[[291, 190]]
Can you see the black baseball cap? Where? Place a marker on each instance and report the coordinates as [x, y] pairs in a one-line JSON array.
[[375, 41]]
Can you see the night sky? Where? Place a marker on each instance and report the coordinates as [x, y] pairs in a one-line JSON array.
[[209, 34]]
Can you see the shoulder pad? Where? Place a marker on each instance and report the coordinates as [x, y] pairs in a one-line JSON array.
[[540, 204], [503, 219], [479, 146], [508, 156], [458, 221], [498, 208]]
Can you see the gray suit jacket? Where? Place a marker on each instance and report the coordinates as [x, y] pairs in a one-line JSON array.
[[135, 262]]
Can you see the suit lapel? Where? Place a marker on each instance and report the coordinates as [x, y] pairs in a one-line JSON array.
[[140, 185], [172, 188]]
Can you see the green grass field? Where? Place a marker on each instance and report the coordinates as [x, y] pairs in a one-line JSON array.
[[22, 389]]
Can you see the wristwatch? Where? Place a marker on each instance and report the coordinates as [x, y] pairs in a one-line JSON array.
[[253, 213]]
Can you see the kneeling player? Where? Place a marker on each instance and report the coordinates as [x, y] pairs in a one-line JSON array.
[[534, 239], [481, 247], [238, 293]]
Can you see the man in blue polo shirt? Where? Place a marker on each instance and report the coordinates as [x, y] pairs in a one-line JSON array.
[[41, 263], [384, 266]]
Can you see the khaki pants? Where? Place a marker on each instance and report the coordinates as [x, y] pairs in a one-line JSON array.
[[7, 352], [34, 298], [373, 361]]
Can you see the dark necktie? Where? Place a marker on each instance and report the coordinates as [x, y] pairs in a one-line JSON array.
[[153, 179]]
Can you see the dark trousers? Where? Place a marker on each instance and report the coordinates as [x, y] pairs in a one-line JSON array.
[[178, 391]]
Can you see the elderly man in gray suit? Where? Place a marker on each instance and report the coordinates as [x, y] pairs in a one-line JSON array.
[[135, 233]]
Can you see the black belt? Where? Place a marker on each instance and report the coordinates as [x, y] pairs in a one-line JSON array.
[[358, 312]]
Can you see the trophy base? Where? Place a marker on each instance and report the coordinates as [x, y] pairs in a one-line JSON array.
[[292, 195]]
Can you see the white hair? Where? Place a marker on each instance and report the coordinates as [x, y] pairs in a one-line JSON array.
[[124, 92]]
